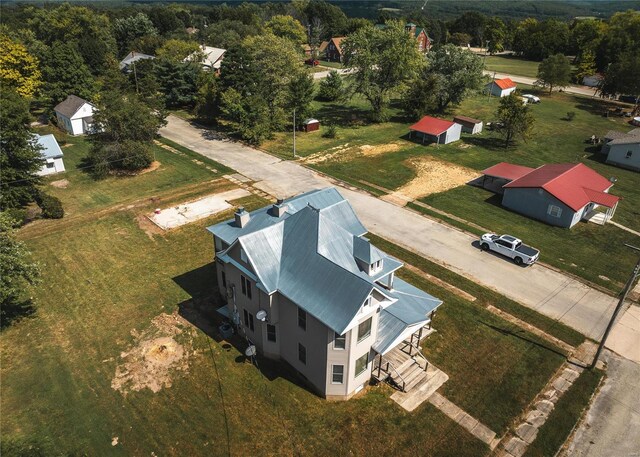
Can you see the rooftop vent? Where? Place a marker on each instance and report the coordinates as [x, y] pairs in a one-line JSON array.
[[279, 208], [242, 217]]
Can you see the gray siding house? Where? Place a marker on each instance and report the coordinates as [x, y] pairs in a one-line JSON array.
[[623, 149], [558, 194], [304, 286]]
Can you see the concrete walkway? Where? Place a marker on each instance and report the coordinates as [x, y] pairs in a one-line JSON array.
[[470, 424], [550, 292]]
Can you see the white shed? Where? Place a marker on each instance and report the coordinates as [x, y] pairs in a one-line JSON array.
[[52, 155], [501, 87], [469, 124], [75, 115]]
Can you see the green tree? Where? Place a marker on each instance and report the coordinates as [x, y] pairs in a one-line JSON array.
[[227, 34], [18, 68], [420, 98], [554, 71], [249, 115], [17, 271], [495, 33], [207, 105], [515, 119], [65, 73], [459, 71], [460, 39], [128, 127], [381, 61], [300, 96], [287, 27], [472, 23], [622, 36], [20, 157], [538, 40], [127, 29], [329, 19], [177, 50], [621, 77], [178, 81], [587, 66], [586, 35], [332, 88]]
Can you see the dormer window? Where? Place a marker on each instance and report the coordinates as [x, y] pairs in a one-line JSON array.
[[375, 267]]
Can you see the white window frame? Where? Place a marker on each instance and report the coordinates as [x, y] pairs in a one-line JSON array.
[[554, 211], [333, 374], [368, 334], [341, 337], [366, 354]]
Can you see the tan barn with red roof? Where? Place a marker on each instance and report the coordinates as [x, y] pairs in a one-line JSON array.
[[559, 194], [501, 87]]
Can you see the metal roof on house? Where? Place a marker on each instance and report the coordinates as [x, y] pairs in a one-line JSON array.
[[365, 251], [504, 83], [507, 171], [309, 256], [616, 137], [132, 57], [50, 147], [432, 125], [574, 184], [468, 121], [212, 57], [70, 106]]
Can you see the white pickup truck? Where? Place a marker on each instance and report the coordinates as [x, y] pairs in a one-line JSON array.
[[509, 246]]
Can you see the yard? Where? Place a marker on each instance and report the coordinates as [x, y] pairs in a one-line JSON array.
[[381, 159], [511, 65], [113, 287]]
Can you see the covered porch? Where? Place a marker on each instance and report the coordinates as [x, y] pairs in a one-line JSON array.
[[600, 199]]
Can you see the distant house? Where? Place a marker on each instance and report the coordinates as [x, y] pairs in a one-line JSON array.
[[332, 49], [51, 153], [305, 286], [131, 58], [423, 40], [211, 57], [500, 87], [593, 80], [469, 124], [75, 115], [623, 149], [434, 130], [311, 125], [559, 194]]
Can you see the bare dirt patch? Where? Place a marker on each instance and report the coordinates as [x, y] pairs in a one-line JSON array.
[[346, 152], [369, 150], [60, 184], [153, 167], [156, 356], [433, 176]]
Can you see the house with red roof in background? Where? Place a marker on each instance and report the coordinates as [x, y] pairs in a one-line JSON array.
[[500, 87], [434, 130], [560, 194]]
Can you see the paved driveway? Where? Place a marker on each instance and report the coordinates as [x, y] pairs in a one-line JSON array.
[[537, 287]]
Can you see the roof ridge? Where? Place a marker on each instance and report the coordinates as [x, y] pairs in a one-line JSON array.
[[561, 174]]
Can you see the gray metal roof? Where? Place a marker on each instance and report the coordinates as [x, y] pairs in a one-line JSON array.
[[616, 137], [132, 57], [50, 147], [70, 105], [365, 251]]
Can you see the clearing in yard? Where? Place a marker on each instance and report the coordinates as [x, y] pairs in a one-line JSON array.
[[185, 213]]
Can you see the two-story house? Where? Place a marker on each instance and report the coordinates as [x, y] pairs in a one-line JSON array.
[[305, 286]]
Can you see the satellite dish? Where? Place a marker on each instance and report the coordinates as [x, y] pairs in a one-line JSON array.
[[236, 318], [250, 351], [261, 315]]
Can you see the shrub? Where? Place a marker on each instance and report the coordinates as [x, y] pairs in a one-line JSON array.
[[51, 206], [330, 132], [570, 116], [18, 215], [332, 88]]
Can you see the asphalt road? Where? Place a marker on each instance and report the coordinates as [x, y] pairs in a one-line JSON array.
[[547, 291], [611, 426]]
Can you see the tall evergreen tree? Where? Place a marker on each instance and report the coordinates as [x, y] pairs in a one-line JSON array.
[[65, 73]]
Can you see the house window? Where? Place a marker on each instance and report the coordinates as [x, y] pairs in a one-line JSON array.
[[361, 364], [243, 255], [628, 155], [302, 319], [554, 211], [302, 353], [364, 329], [224, 279], [246, 286], [271, 333], [248, 320], [337, 374], [50, 164], [339, 341]]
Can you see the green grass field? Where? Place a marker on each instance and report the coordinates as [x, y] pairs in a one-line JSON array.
[[107, 276], [511, 65]]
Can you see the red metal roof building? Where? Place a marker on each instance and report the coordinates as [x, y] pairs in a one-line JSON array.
[[552, 190], [436, 130], [501, 87]]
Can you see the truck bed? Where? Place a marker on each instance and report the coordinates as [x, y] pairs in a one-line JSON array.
[[527, 250]]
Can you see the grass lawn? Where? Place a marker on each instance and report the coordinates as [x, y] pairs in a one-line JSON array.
[[326, 63], [106, 279], [580, 250], [566, 414], [511, 65]]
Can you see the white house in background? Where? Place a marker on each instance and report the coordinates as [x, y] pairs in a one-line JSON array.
[[501, 87], [75, 115], [623, 149], [51, 153], [132, 58], [593, 80], [212, 57]]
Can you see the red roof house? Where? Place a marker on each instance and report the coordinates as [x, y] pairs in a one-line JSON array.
[[560, 194], [436, 130], [501, 87]]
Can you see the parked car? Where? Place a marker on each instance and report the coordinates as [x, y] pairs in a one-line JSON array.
[[531, 98], [630, 99], [509, 246], [312, 62]]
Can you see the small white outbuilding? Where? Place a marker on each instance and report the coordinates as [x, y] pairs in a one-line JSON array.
[[52, 155], [75, 115]]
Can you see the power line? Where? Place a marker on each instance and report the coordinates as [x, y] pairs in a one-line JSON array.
[[224, 409]]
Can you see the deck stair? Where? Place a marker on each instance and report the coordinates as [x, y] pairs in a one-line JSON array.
[[403, 370]]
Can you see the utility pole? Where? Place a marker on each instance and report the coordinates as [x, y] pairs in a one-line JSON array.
[[486, 49], [625, 291], [294, 133], [135, 76]]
